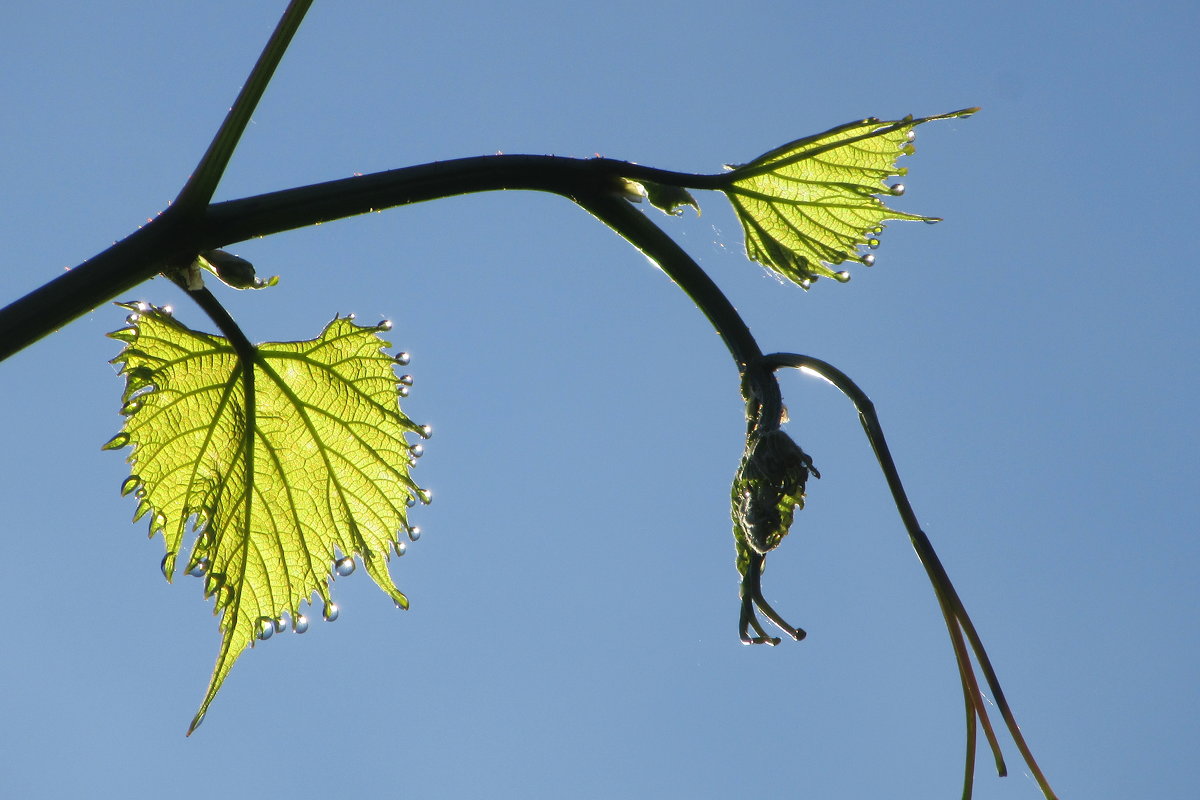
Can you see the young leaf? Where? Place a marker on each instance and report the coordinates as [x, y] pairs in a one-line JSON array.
[[810, 205], [767, 490], [234, 271], [668, 198], [279, 464]]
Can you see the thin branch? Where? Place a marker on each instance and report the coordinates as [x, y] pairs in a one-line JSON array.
[[955, 613], [198, 190]]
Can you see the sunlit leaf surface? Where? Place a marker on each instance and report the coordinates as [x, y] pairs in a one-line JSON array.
[[812, 205], [286, 474]]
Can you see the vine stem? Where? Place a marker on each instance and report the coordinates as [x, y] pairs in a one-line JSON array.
[[199, 188], [958, 622], [618, 214], [165, 242], [173, 239], [760, 388]]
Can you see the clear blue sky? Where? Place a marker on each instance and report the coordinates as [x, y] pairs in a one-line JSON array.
[[574, 600]]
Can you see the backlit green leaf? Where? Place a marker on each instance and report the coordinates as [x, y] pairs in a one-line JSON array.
[[811, 205], [279, 469]]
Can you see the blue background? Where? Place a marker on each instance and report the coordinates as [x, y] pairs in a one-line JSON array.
[[573, 627]]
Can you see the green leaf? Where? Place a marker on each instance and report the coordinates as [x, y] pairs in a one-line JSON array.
[[279, 466], [811, 205]]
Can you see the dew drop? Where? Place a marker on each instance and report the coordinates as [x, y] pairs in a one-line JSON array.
[[130, 484], [908, 150], [414, 533], [167, 565], [911, 135], [280, 625], [168, 310], [159, 523], [417, 450], [426, 496], [350, 316], [140, 494], [132, 407], [212, 583], [266, 628], [116, 442], [426, 431], [402, 359], [384, 325], [402, 390], [411, 501], [869, 259], [805, 282], [344, 566], [897, 189], [872, 243], [841, 277], [401, 548], [330, 612], [299, 623], [199, 568], [133, 319]]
